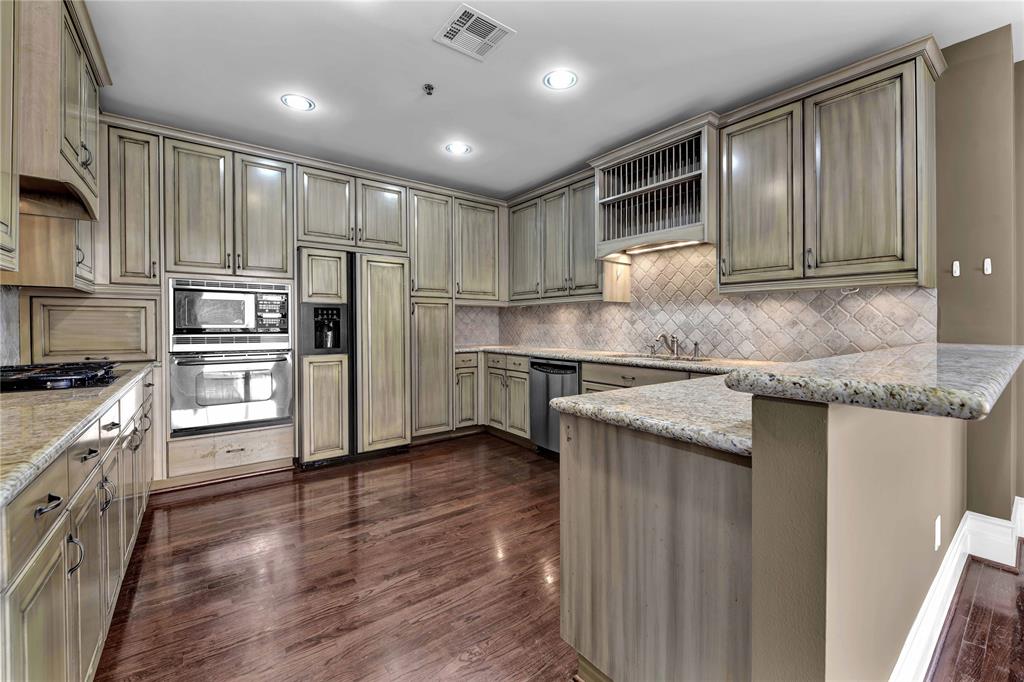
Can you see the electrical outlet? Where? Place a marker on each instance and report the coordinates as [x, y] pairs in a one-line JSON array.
[[938, 532]]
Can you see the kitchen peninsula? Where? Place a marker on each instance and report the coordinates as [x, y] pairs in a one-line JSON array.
[[708, 535]]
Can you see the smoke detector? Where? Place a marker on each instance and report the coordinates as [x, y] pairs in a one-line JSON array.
[[472, 32]]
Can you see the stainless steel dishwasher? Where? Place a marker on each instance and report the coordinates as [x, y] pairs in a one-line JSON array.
[[549, 379]]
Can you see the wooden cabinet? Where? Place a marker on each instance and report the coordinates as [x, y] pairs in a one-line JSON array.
[[476, 251], [524, 251], [554, 279], [8, 139], [507, 396], [85, 251], [384, 369], [70, 329], [263, 217], [126, 493], [197, 456], [133, 163], [584, 268], [323, 276], [111, 526], [381, 221], [465, 396], [325, 408], [60, 71], [198, 208], [497, 398], [54, 252], [430, 221], [326, 207], [35, 620], [517, 385], [860, 160], [761, 236], [432, 353], [621, 376], [86, 573]]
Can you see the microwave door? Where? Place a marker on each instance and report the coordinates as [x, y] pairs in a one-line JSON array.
[[201, 310]]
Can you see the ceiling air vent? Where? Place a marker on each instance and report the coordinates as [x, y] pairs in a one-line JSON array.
[[472, 32]]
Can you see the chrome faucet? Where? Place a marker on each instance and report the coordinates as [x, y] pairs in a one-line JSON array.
[[670, 342], [696, 350]]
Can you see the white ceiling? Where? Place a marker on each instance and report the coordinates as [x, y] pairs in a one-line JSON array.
[[220, 67]]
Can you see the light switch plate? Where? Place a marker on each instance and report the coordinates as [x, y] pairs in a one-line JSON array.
[[956, 268], [986, 266]]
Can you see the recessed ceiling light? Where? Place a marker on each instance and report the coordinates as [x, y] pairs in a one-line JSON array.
[[560, 79], [298, 102], [458, 148]]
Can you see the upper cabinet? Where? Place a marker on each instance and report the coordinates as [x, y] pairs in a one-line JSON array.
[[476, 251], [555, 243], [60, 71], [327, 207], [263, 217], [831, 183], [8, 134], [380, 216], [430, 222], [524, 250], [133, 210], [584, 268]]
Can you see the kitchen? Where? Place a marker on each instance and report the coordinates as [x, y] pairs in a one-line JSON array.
[[431, 372]]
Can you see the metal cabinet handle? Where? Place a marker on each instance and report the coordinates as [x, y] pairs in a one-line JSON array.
[[149, 384], [52, 502], [112, 426], [536, 288], [91, 453], [227, 260], [154, 270], [88, 160], [721, 270], [457, 377], [72, 540], [81, 255], [238, 260], [413, 283], [110, 496], [458, 287], [626, 378], [89, 357], [235, 450], [810, 258]]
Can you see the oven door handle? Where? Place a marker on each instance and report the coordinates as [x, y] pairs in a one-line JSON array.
[[228, 361]]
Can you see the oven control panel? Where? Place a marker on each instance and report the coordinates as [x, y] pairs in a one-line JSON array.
[[271, 313]]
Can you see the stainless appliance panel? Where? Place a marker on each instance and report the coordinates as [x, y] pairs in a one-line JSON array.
[[549, 379], [218, 391], [218, 316]]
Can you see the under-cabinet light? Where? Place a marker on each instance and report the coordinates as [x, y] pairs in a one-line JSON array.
[[659, 247]]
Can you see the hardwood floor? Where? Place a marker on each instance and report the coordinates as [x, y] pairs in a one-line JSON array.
[[983, 638], [437, 564]]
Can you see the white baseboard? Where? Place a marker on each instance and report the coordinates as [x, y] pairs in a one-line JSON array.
[[983, 536]]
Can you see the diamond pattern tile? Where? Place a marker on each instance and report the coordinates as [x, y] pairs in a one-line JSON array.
[[476, 325]]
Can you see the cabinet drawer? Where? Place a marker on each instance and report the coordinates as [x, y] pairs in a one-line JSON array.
[[223, 451], [110, 427], [594, 387], [83, 456], [496, 360], [463, 360], [25, 521], [519, 363], [622, 375]]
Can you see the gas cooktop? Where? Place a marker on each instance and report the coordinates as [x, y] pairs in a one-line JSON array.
[[57, 375]]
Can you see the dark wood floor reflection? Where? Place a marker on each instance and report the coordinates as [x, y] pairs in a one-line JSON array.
[[984, 634], [437, 564]]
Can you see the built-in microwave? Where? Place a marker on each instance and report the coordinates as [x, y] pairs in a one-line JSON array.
[[218, 315]]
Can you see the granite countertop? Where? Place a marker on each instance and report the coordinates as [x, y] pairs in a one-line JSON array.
[[36, 426], [704, 366], [941, 379], [701, 411]]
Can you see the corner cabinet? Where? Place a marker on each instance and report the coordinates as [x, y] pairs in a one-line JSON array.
[[430, 222], [8, 138], [133, 163], [383, 382], [476, 251], [432, 353], [836, 186]]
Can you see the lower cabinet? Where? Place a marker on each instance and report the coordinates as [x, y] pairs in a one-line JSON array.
[[325, 408], [465, 397], [432, 366], [86, 572], [497, 399], [111, 526], [508, 401]]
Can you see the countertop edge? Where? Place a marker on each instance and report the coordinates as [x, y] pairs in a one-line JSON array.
[[51, 451], [581, 355]]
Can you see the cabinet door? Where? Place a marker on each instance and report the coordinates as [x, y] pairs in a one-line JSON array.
[[198, 208], [37, 640], [111, 521], [263, 217], [71, 58], [524, 251], [8, 137], [476, 251], [86, 573], [584, 268], [761, 236], [497, 399], [127, 491], [85, 251], [327, 207], [860, 156], [139, 474], [430, 223], [380, 216], [518, 386], [324, 276], [465, 397], [384, 367], [432, 355], [134, 207], [555, 243], [90, 125], [325, 410]]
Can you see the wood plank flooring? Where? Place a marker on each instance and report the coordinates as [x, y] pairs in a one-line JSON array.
[[983, 638], [437, 564]]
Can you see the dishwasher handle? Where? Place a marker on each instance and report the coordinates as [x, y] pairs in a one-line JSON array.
[[546, 368]]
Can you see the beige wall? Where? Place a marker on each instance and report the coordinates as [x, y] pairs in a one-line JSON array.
[[1018, 172], [975, 183]]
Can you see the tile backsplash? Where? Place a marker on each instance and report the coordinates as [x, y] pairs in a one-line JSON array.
[[476, 325], [674, 292]]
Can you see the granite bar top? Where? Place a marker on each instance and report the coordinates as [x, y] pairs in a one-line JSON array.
[[36, 426], [941, 379], [681, 364], [701, 411]]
